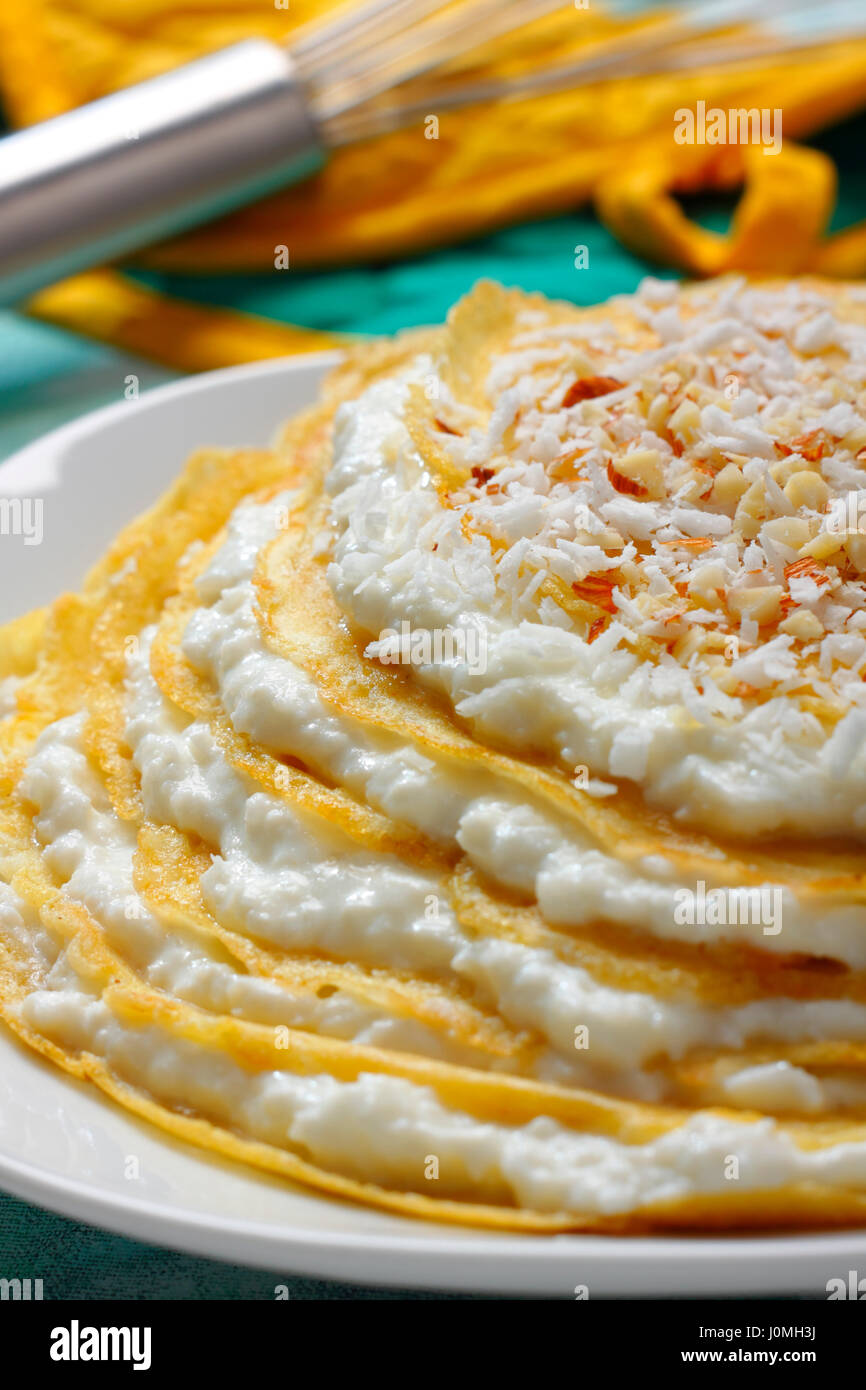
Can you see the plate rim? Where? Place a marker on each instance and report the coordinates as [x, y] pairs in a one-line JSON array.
[[482, 1257], [200, 382], [711, 1265]]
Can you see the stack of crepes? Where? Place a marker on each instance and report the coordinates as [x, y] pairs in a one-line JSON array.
[[493, 164], [460, 807]]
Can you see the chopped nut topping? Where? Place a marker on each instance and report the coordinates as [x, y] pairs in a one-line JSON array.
[[597, 589], [630, 486], [587, 388], [708, 509], [809, 446]]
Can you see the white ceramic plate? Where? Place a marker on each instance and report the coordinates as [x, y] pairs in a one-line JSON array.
[[64, 1147]]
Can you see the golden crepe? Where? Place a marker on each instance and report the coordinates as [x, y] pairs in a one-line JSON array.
[[459, 807]]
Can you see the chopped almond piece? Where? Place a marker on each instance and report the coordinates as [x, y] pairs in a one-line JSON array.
[[729, 486], [803, 625], [597, 589], [807, 489], [822, 546], [685, 421], [785, 468], [751, 511], [690, 543], [791, 531], [587, 388], [694, 639], [658, 412], [807, 567], [761, 604], [809, 446], [630, 486], [643, 466], [812, 446]]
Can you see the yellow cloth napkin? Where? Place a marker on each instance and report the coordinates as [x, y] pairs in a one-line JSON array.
[[492, 164]]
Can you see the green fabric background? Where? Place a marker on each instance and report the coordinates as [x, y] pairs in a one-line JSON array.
[[47, 377]]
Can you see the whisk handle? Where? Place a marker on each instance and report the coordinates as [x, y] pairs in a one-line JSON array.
[[149, 161]]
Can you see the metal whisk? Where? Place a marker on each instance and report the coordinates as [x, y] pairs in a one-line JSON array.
[[152, 160]]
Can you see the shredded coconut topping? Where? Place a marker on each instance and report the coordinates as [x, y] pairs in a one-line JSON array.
[[689, 474], [654, 507]]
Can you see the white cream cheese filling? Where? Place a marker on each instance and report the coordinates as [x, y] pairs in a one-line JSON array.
[[384, 1129], [293, 880], [91, 851]]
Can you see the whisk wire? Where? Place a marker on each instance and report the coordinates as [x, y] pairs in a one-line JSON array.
[[421, 49], [684, 38], [346, 41]]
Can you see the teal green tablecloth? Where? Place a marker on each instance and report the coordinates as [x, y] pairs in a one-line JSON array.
[[47, 377]]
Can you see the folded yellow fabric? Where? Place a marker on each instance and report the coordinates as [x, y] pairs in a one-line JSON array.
[[490, 165]]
